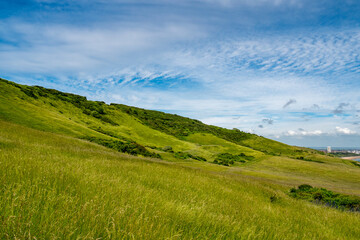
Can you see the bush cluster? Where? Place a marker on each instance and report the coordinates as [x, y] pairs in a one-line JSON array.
[[228, 159], [185, 155], [326, 197], [129, 147]]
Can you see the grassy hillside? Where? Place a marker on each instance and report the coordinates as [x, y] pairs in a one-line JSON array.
[[59, 187], [78, 169], [51, 110], [181, 127]]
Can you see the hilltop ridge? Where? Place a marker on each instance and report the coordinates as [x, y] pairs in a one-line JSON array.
[[155, 130]]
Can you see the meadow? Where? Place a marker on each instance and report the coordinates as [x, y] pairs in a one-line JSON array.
[[56, 183], [58, 187]]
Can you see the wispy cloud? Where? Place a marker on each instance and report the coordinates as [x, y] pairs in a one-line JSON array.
[[207, 59], [327, 52], [64, 49]]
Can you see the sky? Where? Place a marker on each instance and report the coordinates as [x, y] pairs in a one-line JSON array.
[[288, 70]]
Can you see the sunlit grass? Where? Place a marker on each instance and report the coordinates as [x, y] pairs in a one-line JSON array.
[[57, 187]]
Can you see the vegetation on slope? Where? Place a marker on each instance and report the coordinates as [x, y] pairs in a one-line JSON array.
[[227, 159], [91, 108], [326, 197], [181, 127], [125, 147], [344, 154], [51, 110], [92, 114], [59, 187], [70, 114]]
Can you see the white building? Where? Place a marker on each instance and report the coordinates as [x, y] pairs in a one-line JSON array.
[[329, 149]]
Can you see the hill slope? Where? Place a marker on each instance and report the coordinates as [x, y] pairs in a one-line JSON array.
[[51, 110], [53, 186], [73, 188]]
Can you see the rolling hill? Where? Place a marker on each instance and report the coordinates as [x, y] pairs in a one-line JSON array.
[[78, 169]]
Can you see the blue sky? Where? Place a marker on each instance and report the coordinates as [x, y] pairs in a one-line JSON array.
[[284, 69]]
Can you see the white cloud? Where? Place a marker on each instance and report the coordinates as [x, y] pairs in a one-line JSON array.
[[344, 130], [291, 133], [302, 53], [303, 133], [50, 49], [177, 59]]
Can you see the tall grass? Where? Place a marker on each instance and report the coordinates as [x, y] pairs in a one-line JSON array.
[[58, 187]]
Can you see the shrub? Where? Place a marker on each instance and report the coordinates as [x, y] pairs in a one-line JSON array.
[[305, 187], [227, 159], [185, 155], [326, 197], [129, 147]]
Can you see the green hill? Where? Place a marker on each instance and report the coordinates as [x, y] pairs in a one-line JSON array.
[[78, 169], [51, 110]]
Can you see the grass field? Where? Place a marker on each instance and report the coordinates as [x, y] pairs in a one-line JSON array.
[[58, 187], [54, 185]]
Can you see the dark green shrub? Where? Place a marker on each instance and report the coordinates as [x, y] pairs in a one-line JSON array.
[[129, 147], [305, 187], [229, 159], [326, 197], [185, 155]]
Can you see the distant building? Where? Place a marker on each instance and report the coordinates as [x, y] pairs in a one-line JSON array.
[[329, 149]]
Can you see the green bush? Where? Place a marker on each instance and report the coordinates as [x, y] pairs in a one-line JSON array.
[[326, 197], [129, 147], [185, 155], [305, 187], [228, 159]]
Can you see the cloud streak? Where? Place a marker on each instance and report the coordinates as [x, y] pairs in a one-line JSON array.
[[214, 60]]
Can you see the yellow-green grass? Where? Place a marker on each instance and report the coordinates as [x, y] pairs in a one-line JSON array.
[[217, 145], [58, 187], [57, 116], [337, 176], [62, 117], [48, 112]]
